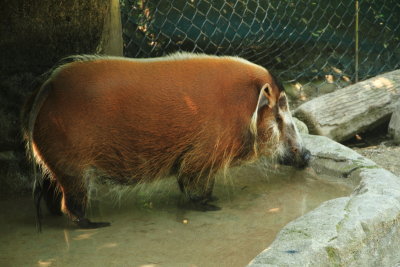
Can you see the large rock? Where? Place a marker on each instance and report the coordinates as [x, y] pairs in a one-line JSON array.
[[301, 126], [360, 230], [394, 125], [353, 109]]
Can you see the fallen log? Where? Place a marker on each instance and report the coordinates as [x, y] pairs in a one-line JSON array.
[[342, 114]]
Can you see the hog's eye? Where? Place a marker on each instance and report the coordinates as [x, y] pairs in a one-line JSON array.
[[279, 119]]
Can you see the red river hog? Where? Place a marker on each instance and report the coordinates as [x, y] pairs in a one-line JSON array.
[[139, 120]]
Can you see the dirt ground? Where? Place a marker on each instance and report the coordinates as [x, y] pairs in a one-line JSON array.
[[384, 154], [377, 146]]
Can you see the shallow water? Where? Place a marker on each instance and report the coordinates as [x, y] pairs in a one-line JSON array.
[[149, 229]]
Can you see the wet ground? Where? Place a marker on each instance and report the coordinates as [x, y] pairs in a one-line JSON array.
[[152, 229]]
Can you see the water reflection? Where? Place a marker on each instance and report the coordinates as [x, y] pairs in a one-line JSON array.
[[66, 238], [255, 205]]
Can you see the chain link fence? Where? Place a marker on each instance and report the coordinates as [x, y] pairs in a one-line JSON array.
[[306, 42]]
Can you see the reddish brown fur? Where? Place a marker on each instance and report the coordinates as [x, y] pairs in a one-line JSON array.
[[139, 120]]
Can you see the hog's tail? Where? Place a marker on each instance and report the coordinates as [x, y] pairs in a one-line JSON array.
[[41, 88], [28, 118]]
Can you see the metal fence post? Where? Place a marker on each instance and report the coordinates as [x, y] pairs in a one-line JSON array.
[[356, 42]]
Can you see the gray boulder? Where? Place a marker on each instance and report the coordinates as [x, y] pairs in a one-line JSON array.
[[362, 229], [353, 109], [394, 125], [301, 126]]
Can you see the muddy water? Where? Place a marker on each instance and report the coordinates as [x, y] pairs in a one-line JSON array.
[[154, 229]]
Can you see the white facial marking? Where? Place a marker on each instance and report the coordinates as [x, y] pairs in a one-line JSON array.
[[288, 124], [286, 117], [275, 129]]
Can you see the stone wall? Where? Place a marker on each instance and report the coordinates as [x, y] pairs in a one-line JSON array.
[[362, 229]]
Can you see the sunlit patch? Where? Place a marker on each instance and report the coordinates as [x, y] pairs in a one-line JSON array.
[[298, 86], [191, 105], [339, 71], [346, 79], [108, 245], [44, 263], [382, 82], [329, 78], [274, 210], [303, 97], [66, 238], [84, 236]]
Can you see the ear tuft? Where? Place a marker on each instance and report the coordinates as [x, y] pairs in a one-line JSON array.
[[264, 100], [267, 89]]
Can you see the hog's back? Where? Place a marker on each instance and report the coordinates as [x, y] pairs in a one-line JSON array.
[[137, 118]]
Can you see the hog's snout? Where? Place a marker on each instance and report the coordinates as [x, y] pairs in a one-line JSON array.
[[305, 158], [299, 160]]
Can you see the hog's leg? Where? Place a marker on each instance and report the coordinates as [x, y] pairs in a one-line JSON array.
[[37, 197], [199, 191], [52, 196], [46, 189], [74, 201]]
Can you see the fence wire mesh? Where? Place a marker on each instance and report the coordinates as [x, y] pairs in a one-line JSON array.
[[306, 42]]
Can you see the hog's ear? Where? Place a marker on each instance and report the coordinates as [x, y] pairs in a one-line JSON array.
[[264, 100], [265, 97]]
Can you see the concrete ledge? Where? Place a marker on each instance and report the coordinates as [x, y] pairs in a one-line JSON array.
[[360, 230]]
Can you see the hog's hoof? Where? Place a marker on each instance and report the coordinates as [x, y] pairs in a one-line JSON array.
[[199, 206], [212, 198], [87, 224], [208, 207]]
